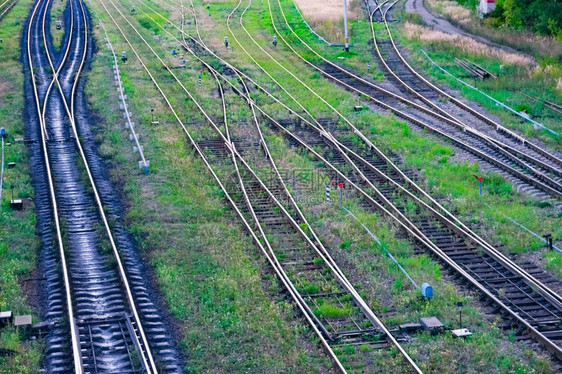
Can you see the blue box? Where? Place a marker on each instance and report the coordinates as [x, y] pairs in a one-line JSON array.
[[427, 290]]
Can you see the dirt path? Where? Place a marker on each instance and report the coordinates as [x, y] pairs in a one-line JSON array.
[[439, 23]]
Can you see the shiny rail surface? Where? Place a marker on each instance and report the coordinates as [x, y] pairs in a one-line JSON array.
[[101, 274], [273, 217]]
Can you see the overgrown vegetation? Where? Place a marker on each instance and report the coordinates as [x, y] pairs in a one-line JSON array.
[[225, 304], [18, 242], [495, 27], [541, 16], [216, 285]]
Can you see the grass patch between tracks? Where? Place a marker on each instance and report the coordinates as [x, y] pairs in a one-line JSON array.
[[228, 317], [18, 241], [177, 192]]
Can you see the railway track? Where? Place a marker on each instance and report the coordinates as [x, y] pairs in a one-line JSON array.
[[6, 6], [434, 92], [303, 265], [506, 310], [549, 104], [531, 157], [485, 283], [502, 157], [100, 295]]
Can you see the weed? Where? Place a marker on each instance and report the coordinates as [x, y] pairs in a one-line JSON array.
[[330, 310]]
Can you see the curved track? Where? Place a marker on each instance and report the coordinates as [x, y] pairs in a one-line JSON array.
[[464, 137], [278, 225], [100, 271], [450, 254], [530, 157]]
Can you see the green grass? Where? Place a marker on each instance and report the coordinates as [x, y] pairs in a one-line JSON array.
[[330, 310], [18, 241], [57, 9], [216, 294], [227, 308]]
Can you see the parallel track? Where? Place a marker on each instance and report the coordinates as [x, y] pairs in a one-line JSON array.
[[491, 150], [484, 285], [277, 230], [511, 147], [6, 6], [415, 80], [106, 329]]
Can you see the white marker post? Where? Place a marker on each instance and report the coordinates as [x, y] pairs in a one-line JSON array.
[[345, 25]]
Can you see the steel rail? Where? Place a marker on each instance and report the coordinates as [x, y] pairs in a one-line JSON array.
[[536, 333], [408, 117], [325, 252], [75, 337], [549, 104], [443, 117], [280, 273], [505, 149], [462, 144], [231, 147], [339, 274], [450, 262], [71, 115], [62, 61], [453, 225], [548, 293], [7, 9], [463, 106]]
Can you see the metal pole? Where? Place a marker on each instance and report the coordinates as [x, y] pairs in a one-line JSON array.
[[341, 197], [480, 186], [345, 25]]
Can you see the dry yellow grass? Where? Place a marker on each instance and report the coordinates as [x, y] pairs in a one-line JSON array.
[[452, 9], [321, 11], [466, 44]]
